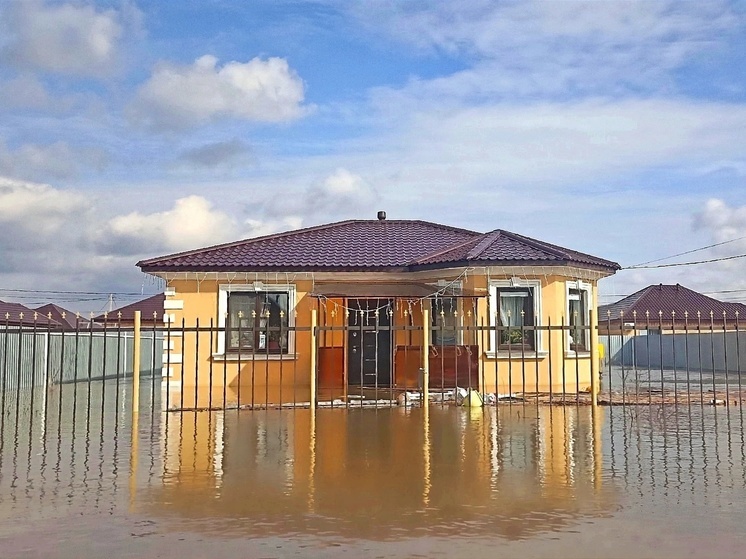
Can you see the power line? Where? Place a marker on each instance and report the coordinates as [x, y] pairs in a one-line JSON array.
[[688, 252], [52, 291], [643, 267]]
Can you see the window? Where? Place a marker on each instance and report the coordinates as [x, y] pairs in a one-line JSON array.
[[516, 313], [578, 297], [444, 321], [516, 308], [257, 319], [258, 322]]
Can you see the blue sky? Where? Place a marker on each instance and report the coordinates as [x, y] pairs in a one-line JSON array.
[[130, 129]]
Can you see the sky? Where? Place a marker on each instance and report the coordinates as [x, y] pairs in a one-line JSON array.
[[131, 129]]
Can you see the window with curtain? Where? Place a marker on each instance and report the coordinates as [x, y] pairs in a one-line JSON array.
[[577, 309], [516, 313], [258, 321]]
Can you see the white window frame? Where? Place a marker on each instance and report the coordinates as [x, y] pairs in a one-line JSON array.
[[588, 289], [224, 290], [535, 286]]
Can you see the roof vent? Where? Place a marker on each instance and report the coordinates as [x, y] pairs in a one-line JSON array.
[[381, 216]]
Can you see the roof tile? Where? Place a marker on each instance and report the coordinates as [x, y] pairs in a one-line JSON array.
[[667, 299], [367, 245]]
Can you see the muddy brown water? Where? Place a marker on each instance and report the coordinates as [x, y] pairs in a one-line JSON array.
[[512, 481]]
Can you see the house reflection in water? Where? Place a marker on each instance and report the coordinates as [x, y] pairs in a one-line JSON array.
[[387, 474]]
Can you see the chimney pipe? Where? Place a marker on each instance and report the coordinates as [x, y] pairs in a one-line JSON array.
[[381, 216]]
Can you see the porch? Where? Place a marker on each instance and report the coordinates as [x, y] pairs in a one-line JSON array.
[[373, 336]]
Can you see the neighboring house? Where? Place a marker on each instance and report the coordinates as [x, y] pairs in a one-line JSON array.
[[14, 314], [259, 293], [151, 312], [668, 307], [67, 319], [671, 326]]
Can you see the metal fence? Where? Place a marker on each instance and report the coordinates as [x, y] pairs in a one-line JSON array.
[[32, 357], [365, 361]]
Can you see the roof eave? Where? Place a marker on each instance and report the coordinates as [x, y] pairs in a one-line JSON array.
[[610, 269]]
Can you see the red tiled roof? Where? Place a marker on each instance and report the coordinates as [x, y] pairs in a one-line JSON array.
[[372, 245], [669, 299], [146, 307]]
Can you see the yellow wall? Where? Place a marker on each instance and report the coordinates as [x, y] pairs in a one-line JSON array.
[[258, 379]]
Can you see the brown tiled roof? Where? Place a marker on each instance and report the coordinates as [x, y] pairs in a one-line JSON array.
[[360, 245], [11, 313], [669, 299], [508, 248], [146, 307], [373, 245], [69, 321]]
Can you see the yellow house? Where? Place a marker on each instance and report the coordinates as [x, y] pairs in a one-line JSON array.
[[509, 314]]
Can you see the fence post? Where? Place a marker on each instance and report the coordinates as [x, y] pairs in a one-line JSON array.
[[313, 358], [136, 365], [593, 325], [425, 357]]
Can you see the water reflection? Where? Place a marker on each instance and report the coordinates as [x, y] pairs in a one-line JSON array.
[[380, 474], [514, 475]]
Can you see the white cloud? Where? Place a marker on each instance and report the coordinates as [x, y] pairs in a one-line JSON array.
[[191, 223], [431, 145], [717, 223], [261, 227], [724, 223], [56, 238], [24, 92], [68, 38], [38, 207], [57, 160], [340, 194], [557, 48], [42, 229], [178, 97]]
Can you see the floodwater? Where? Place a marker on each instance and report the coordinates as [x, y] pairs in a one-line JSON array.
[[517, 480]]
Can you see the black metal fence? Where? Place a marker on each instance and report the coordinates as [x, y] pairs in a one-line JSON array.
[[664, 358], [367, 363]]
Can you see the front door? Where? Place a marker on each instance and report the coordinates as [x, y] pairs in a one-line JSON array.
[[369, 343]]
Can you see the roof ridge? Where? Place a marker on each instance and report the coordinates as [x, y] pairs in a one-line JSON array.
[[634, 299], [292, 232], [432, 224], [443, 251], [556, 250], [698, 294], [487, 240]]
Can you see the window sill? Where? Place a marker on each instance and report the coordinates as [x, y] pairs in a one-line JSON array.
[[579, 354], [516, 355], [247, 357]]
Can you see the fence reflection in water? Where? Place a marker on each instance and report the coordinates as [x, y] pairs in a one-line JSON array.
[[385, 475]]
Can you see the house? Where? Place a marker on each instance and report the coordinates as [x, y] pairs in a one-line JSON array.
[[492, 298], [666, 308], [68, 320], [151, 313], [15, 314], [673, 327]]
